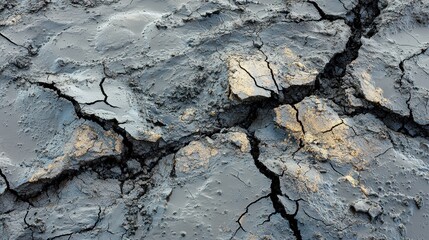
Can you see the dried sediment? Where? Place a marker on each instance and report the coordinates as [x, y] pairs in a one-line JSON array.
[[213, 119]]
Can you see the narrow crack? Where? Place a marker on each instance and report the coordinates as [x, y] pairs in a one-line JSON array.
[[95, 223], [9, 40], [323, 15], [259, 47], [301, 143], [408, 102], [401, 64], [30, 49], [402, 68], [268, 218], [381, 154], [29, 226], [106, 75], [240, 226], [104, 94], [14, 192], [90, 228], [335, 170], [326, 224], [344, 5], [272, 74], [335, 126], [255, 81], [105, 124], [69, 235], [239, 179]]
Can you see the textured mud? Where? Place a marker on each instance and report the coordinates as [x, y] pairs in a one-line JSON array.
[[214, 119]]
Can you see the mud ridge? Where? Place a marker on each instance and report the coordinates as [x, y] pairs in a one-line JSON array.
[[106, 124]]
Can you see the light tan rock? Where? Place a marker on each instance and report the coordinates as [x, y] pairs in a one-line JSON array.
[[316, 116], [86, 144], [194, 156], [240, 140], [241, 84], [298, 73], [286, 118], [258, 68], [326, 135]]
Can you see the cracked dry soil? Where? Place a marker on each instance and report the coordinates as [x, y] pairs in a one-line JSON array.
[[214, 119]]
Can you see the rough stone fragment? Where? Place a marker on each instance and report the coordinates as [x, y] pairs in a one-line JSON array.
[[316, 116], [260, 71], [242, 84], [367, 206], [325, 134], [194, 156], [298, 73], [286, 117], [240, 140]]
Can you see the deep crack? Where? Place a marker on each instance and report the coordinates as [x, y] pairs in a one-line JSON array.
[[275, 189], [335, 70]]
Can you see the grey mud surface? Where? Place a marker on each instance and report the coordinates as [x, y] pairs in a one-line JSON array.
[[214, 119]]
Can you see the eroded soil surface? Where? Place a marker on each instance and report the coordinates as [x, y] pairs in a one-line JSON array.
[[214, 119]]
